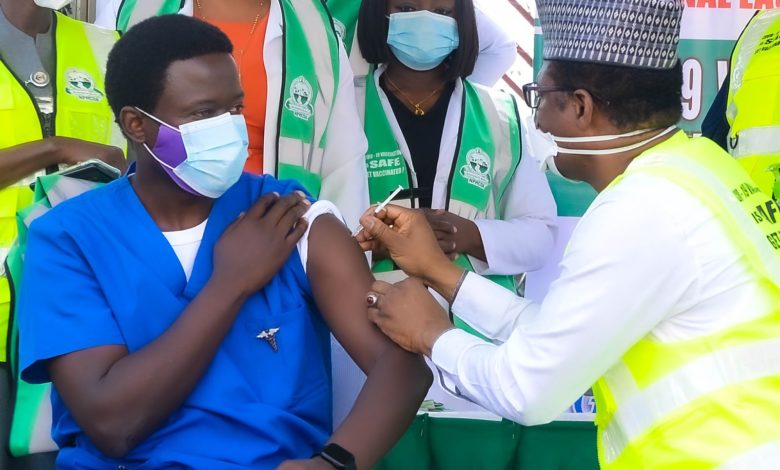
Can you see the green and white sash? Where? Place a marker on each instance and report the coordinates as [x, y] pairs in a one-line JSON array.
[[132, 12], [345, 18], [487, 156], [311, 77]]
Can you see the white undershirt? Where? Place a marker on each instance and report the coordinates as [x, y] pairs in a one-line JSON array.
[[185, 243]]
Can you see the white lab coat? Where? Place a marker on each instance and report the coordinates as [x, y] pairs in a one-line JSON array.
[[497, 50], [520, 242]]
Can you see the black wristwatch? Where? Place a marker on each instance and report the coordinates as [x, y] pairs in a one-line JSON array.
[[338, 457]]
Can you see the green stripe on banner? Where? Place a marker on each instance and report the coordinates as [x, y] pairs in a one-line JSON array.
[[538, 46], [705, 66], [573, 199]]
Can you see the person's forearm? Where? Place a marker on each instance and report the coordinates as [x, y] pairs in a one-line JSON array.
[[142, 389], [443, 278], [23, 160], [393, 391]]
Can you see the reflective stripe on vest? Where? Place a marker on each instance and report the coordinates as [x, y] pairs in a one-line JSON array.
[[702, 401], [81, 111], [638, 411], [311, 78], [766, 456], [753, 110]]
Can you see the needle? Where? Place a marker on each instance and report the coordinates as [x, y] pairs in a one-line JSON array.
[[380, 207]]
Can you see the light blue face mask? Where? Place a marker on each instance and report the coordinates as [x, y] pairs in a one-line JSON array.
[[421, 40], [203, 157]]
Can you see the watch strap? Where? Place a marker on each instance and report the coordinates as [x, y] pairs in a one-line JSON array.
[[338, 457]]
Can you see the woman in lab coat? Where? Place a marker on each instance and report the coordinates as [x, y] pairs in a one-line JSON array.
[[454, 146]]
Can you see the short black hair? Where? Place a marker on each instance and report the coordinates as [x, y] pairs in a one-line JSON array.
[[372, 37], [138, 64], [632, 98]]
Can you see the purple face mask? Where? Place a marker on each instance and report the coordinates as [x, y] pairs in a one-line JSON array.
[[204, 157], [169, 151]]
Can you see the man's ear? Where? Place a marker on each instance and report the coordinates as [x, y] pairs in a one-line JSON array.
[[584, 107], [132, 123]]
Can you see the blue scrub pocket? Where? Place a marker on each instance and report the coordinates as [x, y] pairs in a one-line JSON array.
[[296, 374]]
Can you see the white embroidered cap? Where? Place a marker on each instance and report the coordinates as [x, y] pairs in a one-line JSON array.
[[633, 33]]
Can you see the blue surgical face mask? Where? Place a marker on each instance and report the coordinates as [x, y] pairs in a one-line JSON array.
[[203, 157], [421, 40]]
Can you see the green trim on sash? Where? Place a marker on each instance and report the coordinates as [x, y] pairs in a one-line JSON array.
[[515, 140], [126, 9], [345, 18], [385, 163], [301, 89], [472, 180], [297, 111], [311, 181]]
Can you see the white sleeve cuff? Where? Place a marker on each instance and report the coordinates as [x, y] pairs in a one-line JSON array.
[[448, 348], [445, 354], [317, 209]]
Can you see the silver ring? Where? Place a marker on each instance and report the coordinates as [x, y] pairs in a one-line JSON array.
[[372, 299]]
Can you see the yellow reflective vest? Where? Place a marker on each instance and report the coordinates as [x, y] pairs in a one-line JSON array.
[[753, 110], [708, 402], [81, 111]]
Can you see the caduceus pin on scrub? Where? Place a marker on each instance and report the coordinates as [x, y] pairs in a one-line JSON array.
[[269, 336]]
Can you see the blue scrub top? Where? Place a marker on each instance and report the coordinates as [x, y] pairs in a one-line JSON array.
[[98, 271]]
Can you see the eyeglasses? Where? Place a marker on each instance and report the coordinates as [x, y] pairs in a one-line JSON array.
[[532, 93]]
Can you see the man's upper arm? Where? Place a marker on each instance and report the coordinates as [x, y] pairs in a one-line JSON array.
[[62, 307], [340, 278], [344, 178]]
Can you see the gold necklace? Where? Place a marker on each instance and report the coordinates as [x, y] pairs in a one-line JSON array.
[[251, 32], [418, 111]]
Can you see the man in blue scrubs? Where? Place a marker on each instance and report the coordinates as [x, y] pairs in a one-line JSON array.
[[183, 312]]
